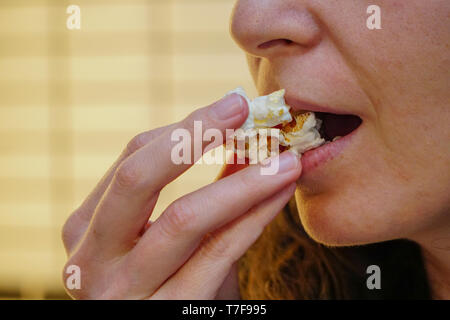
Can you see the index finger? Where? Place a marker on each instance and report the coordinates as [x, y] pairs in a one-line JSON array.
[[131, 197]]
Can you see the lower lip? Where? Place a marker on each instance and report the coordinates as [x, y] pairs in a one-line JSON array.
[[313, 159]]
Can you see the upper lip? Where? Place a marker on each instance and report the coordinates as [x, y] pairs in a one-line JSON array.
[[301, 105]]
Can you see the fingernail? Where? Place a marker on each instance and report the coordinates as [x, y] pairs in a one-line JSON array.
[[228, 107], [287, 161]]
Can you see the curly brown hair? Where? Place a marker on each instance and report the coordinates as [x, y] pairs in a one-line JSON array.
[[285, 263]]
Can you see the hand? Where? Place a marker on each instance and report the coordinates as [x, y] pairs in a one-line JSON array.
[[190, 251]]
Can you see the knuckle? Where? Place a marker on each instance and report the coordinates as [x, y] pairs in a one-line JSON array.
[[249, 180], [70, 231], [66, 233], [188, 122], [137, 142], [70, 272], [201, 115], [179, 218], [127, 175], [216, 247], [83, 279]]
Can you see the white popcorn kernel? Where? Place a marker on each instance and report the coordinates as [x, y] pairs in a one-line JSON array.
[[267, 112], [307, 138]]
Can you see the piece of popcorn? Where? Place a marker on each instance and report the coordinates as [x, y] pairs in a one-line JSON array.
[[258, 144], [265, 111], [298, 134], [302, 134]]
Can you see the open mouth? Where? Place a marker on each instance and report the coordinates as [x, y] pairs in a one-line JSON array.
[[335, 126], [312, 134]]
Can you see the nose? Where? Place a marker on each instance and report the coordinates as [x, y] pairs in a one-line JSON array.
[[266, 28]]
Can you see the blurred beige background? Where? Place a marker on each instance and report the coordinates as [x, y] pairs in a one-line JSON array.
[[71, 99]]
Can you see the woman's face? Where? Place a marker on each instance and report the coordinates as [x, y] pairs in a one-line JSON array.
[[390, 177]]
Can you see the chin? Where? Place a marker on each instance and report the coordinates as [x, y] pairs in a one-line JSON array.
[[333, 219], [337, 206]]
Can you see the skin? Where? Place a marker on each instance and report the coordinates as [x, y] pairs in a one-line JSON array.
[[190, 250], [390, 182]]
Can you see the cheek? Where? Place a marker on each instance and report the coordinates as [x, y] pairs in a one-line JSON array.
[[253, 65]]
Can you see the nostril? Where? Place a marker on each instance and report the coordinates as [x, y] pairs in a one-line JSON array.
[[273, 43]]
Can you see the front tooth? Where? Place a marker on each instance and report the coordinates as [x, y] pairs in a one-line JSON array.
[[336, 138]]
